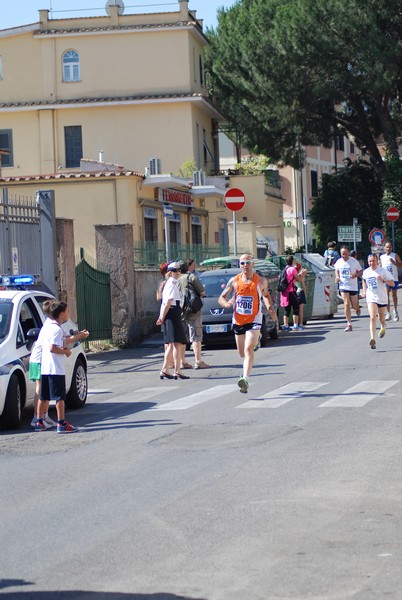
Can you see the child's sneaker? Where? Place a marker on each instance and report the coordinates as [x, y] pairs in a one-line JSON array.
[[49, 423], [66, 428], [40, 426]]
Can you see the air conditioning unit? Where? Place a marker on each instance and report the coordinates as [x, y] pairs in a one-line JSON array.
[[154, 166], [199, 178]]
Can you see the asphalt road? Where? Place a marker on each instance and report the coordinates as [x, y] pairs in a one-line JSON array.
[[190, 490]]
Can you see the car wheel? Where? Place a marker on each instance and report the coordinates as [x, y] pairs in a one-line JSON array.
[[77, 395], [11, 417], [274, 333], [263, 341]]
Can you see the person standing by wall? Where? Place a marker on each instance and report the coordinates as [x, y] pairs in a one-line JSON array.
[[193, 321], [347, 272], [170, 317], [391, 261], [375, 282], [301, 292], [247, 288]]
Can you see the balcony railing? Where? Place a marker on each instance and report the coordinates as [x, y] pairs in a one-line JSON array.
[[154, 253]]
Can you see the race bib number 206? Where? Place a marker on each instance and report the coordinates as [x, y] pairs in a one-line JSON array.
[[244, 305]]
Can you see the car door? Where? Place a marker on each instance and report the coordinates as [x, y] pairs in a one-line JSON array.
[[29, 318]]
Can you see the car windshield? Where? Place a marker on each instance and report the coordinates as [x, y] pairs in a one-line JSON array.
[[6, 309], [214, 284]]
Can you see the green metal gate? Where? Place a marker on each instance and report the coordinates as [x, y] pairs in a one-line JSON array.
[[94, 307]]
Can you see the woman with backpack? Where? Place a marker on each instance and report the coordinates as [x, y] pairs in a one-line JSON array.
[[288, 293]]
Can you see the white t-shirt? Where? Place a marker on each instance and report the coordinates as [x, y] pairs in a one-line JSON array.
[[172, 291], [376, 291], [52, 334], [385, 260], [346, 268]]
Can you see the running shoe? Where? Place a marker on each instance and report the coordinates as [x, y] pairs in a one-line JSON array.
[[358, 312], [372, 344], [297, 328], [243, 385], [258, 344], [66, 428], [348, 327], [387, 316], [396, 316], [45, 422], [382, 332], [285, 328], [49, 422], [40, 426]]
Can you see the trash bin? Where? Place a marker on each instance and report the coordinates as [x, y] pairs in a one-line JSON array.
[[310, 279], [325, 302]]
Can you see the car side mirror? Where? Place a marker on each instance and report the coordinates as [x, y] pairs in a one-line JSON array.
[[32, 334]]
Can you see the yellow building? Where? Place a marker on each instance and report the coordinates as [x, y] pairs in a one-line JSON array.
[[127, 90]]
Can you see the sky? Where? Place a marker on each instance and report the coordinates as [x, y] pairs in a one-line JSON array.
[[14, 13]]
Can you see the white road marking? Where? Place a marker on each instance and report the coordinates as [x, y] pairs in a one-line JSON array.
[[215, 392], [360, 394], [93, 392], [282, 395]]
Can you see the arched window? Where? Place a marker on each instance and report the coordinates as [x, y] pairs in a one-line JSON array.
[[71, 66]]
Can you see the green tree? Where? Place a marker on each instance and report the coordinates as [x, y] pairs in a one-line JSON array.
[[285, 71], [352, 192], [393, 197]]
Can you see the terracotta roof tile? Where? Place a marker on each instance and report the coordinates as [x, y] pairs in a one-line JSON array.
[[70, 175]]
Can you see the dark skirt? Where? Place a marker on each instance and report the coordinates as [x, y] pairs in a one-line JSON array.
[[173, 330]]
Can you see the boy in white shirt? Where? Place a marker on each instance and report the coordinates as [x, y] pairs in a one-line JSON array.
[[53, 380]]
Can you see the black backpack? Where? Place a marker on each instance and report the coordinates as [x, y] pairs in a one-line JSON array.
[[192, 301], [283, 282]]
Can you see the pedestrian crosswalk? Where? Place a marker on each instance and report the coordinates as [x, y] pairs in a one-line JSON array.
[[356, 396]]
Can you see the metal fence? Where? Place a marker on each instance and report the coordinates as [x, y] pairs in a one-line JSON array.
[[154, 253], [20, 242]]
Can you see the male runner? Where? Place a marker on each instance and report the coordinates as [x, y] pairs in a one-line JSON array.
[[247, 288]]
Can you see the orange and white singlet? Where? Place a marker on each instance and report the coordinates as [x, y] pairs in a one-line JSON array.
[[247, 306]]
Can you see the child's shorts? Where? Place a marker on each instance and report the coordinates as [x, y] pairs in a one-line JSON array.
[[34, 371], [53, 387]]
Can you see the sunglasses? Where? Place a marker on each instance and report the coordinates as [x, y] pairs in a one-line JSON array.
[[174, 270], [246, 262]]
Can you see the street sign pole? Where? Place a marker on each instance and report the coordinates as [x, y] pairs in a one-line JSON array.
[[393, 234], [234, 235]]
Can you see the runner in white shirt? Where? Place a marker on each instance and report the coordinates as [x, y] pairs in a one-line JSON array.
[[347, 271], [375, 282], [391, 262]]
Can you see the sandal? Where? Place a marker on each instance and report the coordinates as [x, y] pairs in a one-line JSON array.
[[186, 365]]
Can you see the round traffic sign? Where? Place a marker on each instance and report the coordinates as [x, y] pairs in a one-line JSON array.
[[377, 236], [392, 213], [234, 199]]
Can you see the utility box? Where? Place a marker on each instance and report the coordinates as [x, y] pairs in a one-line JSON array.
[[325, 298]]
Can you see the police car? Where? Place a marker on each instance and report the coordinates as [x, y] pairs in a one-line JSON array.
[[21, 317]]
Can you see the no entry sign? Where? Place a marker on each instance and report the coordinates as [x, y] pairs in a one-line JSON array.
[[392, 214], [234, 199]]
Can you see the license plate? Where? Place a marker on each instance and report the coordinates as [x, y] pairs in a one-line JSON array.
[[216, 328]]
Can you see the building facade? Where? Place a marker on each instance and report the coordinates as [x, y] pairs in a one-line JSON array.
[[121, 89]]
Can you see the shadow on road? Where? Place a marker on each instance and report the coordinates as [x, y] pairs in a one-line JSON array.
[[79, 594]]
